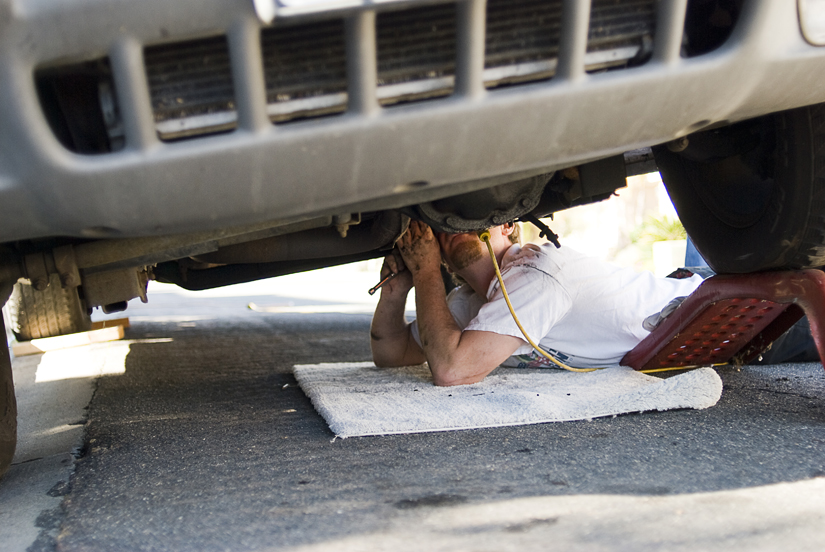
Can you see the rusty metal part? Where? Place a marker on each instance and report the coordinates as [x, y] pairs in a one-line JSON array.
[[587, 183], [483, 208], [66, 266], [109, 288], [38, 267], [314, 244], [105, 255], [639, 161]]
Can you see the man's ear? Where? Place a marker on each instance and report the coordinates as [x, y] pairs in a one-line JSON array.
[[507, 229]]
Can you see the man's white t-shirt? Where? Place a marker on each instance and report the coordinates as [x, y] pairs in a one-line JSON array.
[[585, 312]]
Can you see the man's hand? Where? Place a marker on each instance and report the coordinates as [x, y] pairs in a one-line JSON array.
[[419, 249], [391, 341], [400, 285], [454, 357]]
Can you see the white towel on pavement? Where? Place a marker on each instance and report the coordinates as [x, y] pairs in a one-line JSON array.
[[359, 399]]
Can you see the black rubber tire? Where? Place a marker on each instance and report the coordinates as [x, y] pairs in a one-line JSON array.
[[53, 311], [752, 196], [8, 405]]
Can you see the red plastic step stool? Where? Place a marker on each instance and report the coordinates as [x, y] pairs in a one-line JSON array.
[[734, 318]]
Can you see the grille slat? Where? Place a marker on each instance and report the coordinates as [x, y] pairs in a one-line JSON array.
[[304, 60], [305, 64], [522, 32], [614, 23], [191, 79], [527, 35], [416, 45]]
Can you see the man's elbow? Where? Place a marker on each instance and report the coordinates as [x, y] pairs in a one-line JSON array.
[[447, 382], [395, 357], [447, 377], [385, 361], [451, 382]]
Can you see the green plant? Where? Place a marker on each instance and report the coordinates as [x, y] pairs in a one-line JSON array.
[[654, 229]]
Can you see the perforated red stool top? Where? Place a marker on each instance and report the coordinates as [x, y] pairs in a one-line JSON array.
[[733, 318]]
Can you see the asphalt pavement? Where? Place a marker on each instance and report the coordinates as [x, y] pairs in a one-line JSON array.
[[198, 438]]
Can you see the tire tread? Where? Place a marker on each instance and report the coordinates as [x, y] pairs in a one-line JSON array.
[[48, 313]]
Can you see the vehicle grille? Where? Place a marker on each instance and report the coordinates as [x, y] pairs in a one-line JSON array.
[[522, 43], [191, 86], [192, 92], [305, 70], [416, 53]]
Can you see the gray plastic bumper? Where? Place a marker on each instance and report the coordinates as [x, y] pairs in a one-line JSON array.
[[371, 157]]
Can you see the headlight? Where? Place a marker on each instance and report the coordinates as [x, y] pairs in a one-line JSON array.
[[812, 21]]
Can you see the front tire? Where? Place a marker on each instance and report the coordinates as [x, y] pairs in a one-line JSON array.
[[53, 311], [752, 195]]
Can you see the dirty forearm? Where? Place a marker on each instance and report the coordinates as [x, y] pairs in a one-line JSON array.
[[440, 336], [391, 341], [452, 358]]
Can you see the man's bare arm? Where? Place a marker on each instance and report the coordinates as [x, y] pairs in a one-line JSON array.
[[455, 357], [391, 340]]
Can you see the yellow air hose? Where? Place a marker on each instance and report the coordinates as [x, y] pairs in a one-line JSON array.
[[484, 235]]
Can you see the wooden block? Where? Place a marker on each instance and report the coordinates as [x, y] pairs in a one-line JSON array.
[[46, 344], [110, 323]]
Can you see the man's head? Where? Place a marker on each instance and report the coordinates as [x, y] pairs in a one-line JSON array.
[[460, 251]]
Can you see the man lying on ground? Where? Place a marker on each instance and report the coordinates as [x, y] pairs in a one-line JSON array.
[[584, 312]]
